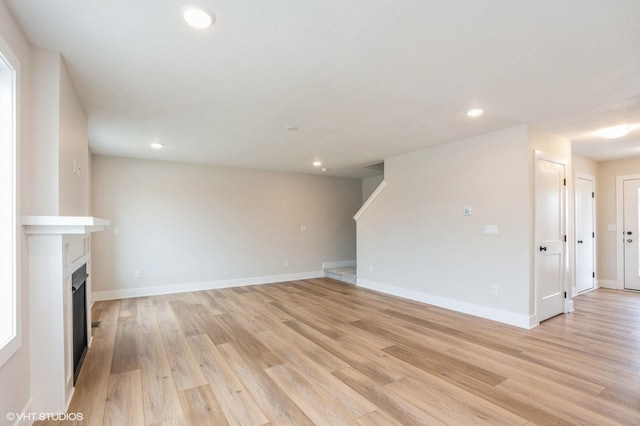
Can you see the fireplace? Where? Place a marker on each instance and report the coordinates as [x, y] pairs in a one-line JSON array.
[[59, 298], [79, 318]]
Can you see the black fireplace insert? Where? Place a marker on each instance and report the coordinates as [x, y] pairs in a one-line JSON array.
[[79, 303]]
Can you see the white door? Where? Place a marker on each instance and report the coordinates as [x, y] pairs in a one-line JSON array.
[[631, 197], [585, 271], [550, 238]]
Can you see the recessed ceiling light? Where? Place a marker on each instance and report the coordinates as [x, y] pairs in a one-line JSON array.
[[197, 16], [156, 145], [475, 112], [614, 132], [292, 128], [324, 169], [317, 163]]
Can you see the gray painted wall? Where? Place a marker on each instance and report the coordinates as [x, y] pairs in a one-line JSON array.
[[184, 223]]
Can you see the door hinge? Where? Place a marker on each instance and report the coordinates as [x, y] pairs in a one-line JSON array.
[[593, 195], [593, 235], [565, 238], [565, 182], [565, 294], [594, 275]]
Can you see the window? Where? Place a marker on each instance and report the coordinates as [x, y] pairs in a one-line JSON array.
[[10, 336]]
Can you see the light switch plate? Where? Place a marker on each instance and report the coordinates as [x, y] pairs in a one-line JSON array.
[[612, 227]]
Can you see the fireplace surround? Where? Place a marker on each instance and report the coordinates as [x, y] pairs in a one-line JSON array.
[[58, 246]]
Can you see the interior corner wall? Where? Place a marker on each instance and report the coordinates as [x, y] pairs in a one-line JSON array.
[[15, 392], [415, 240], [584, 165], [59, 174], [183, 224], [606, 213], [369, 185]]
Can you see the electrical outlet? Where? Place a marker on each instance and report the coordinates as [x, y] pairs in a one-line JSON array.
[[138, 275], [303, 228], [491, 229], [370, 268], [286, 262], [494, 289]]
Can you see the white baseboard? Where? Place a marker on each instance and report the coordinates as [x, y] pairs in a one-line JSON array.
[[506, 317], [24, 419], [608, 284], [568, 306], [338, 264], [207, 285], [533, 322]]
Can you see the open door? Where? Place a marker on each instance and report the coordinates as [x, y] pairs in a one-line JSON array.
[[550, 239], [585, 233]]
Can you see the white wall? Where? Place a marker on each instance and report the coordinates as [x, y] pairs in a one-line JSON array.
[[60, 137], [584, 165], [182, 223], [369, 185], [73, 150], [606, 212], [43, 198], [415, 238], [14, 375]]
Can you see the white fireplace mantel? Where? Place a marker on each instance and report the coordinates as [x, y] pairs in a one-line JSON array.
[[58, 245], [64, 225]]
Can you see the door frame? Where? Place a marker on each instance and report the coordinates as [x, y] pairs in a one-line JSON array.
[[620, 227], [592, 178], [568, 301]]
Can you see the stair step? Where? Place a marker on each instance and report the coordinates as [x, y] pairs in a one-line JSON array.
[[346, 274]]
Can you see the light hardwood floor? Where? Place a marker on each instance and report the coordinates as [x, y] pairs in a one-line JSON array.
[[321, 352]]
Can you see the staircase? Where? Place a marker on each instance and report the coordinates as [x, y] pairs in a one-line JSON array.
[[345, 274]]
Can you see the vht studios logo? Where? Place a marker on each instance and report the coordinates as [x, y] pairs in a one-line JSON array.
[[56, 417]]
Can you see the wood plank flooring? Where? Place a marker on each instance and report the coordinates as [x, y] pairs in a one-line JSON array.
[[322, 352]]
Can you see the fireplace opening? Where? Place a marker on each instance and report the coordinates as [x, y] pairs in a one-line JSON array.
[[79, 307]]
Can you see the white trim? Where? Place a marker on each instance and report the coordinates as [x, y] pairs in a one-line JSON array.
[[338, 264], [63, 224], [533, 322], [370, 200], [506, 317], [609, 284], [568, 305], [620, 227], [11, 346], [207, 285], [24, 419]]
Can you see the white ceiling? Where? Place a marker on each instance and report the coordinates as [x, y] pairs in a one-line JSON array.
[[362, 80]]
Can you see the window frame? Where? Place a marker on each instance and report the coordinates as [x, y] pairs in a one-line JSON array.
[[11, 345]]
